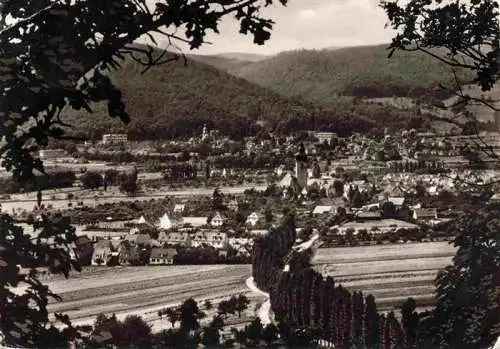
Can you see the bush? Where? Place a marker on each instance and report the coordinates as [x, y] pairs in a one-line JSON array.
[[112, 177], [91, 180]]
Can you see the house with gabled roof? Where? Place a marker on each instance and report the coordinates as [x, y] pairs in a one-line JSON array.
[[160, 255], [252, 219], [103, 251], [217, 220], [128, 254], [141, 220], [179, 208], [215, 239], [167, 222], [495, 199], [83, 250], [175, 238], [139, 239]]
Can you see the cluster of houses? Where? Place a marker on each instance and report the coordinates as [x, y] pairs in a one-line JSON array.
[[368, 217], [137, 247], [217, 220]]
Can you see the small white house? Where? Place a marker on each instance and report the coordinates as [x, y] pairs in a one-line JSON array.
[[322, 209], [425, 214], [102, 252], [179, 208], [217, 220], [252, 219], [397, 201], [495, 199]]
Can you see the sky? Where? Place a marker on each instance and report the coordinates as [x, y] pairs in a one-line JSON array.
[[309, 24]]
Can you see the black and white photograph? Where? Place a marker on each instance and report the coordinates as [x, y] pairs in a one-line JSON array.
[[243, 174]]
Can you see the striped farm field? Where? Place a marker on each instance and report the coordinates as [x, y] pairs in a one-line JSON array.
[[144, 290], [391, 273]]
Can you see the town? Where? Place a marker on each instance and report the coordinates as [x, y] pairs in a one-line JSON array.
[[203, 200]]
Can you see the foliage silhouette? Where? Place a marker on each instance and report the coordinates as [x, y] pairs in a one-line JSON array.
[[55, 56]]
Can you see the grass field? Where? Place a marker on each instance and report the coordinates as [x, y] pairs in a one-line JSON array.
[[391, 273]]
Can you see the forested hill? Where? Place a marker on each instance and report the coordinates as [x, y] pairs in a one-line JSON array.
[[320, 76], [177, 98]]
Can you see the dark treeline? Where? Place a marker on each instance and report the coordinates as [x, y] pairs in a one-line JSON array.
[[401, 90], [182, 127], [125, 156], [180, 171], [255, 161], [53, 180], [208, 255]]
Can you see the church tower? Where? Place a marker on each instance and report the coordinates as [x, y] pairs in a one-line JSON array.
[[301, 161], [204, 134]]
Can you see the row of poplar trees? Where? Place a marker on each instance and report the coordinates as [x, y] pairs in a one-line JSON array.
[[303, 300]]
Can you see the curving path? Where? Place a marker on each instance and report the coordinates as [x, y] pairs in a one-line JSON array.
[[265, 308]]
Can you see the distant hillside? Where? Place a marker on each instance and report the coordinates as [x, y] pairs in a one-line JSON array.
[[231, 61], [250, 57], [175, 100], [220, 62], [320, 76]]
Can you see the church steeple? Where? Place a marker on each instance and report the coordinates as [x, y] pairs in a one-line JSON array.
[[301, 154], [301, 160], [204, 134]]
